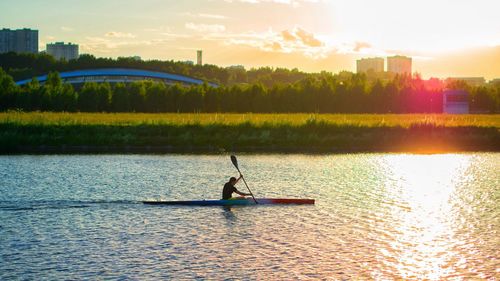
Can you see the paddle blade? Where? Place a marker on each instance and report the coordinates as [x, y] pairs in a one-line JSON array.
[[235, 161]]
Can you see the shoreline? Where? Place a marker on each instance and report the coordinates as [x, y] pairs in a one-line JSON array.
[[200, 140], [165, 150]]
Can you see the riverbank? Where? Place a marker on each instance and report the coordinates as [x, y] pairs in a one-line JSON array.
[[50, 133]]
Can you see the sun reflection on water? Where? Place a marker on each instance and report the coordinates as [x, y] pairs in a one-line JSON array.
[[426, 183]]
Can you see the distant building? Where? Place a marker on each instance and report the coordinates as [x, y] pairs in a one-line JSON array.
[[19, 41], [399, 64], [495, 81], [189, 62], [373, 64], [472, 81], [199, 55], [59, 50], [134, 58], [455, 102], [237, 66]]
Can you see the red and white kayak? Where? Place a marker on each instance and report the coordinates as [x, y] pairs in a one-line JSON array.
[[235, 202]]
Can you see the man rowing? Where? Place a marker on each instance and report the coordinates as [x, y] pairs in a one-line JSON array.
[[229, 188]]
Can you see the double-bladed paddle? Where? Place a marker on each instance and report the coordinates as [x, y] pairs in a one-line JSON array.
[[235, 163]]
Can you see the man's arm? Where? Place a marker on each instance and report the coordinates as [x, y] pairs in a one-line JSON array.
[[237, 191], [241, 193], [238, 179]]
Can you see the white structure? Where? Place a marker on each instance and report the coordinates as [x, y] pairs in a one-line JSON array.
[[455, 102], [59, 50], [373, 64], [399, 64], [199, 54]]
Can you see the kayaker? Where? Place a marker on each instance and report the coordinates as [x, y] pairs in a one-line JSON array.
[[229, 188]]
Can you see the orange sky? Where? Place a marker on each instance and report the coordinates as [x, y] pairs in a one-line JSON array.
[[444, 37]]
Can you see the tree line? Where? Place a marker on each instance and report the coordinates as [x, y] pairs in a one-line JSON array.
[[25, 66], [321, 93]]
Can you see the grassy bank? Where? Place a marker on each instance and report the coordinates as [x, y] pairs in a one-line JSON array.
[[95, 132]]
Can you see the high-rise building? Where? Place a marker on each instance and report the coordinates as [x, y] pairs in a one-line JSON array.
[[19, 41], [373, 64], [199, 54], [59, 50], [399, 64]]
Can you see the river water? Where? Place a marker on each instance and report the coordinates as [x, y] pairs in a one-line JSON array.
[[377, 216]]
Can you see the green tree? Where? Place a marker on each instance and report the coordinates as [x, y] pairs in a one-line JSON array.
[[29, 97], [58, 96], [481, 99], [137, 96], [120, 98], [87, 97], [156, 98], [8, 91], [103, 97], [212, 100]]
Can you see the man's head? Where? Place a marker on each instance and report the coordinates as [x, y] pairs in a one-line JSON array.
[[232, 180]]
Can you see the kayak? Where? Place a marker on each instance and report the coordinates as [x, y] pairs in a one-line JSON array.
[[234, 202]]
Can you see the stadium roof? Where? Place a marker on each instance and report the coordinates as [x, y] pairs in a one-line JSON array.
[[120, 74]]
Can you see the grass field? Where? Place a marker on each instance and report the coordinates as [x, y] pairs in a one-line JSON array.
[[45, 132], [348, 120]]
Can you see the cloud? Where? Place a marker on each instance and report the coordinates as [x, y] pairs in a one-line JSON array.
[[257, 1], [214, 28], [307, 38], [294, 3], [173, 36], [115, 34], [273, 46], [67, 29], [358, 46], [110, 45], [288, 36], [203, 15], [301, 36], [211, 16], [158, 29], [296, 40]]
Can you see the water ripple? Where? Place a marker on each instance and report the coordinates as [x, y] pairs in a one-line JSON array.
[[377, 216]]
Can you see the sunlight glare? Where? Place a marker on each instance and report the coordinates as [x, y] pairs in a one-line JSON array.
[[427, 184]]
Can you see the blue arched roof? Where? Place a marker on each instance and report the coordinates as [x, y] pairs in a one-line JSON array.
[[121, 72]]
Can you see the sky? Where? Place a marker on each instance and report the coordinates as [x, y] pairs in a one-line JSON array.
[[445, 38]]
